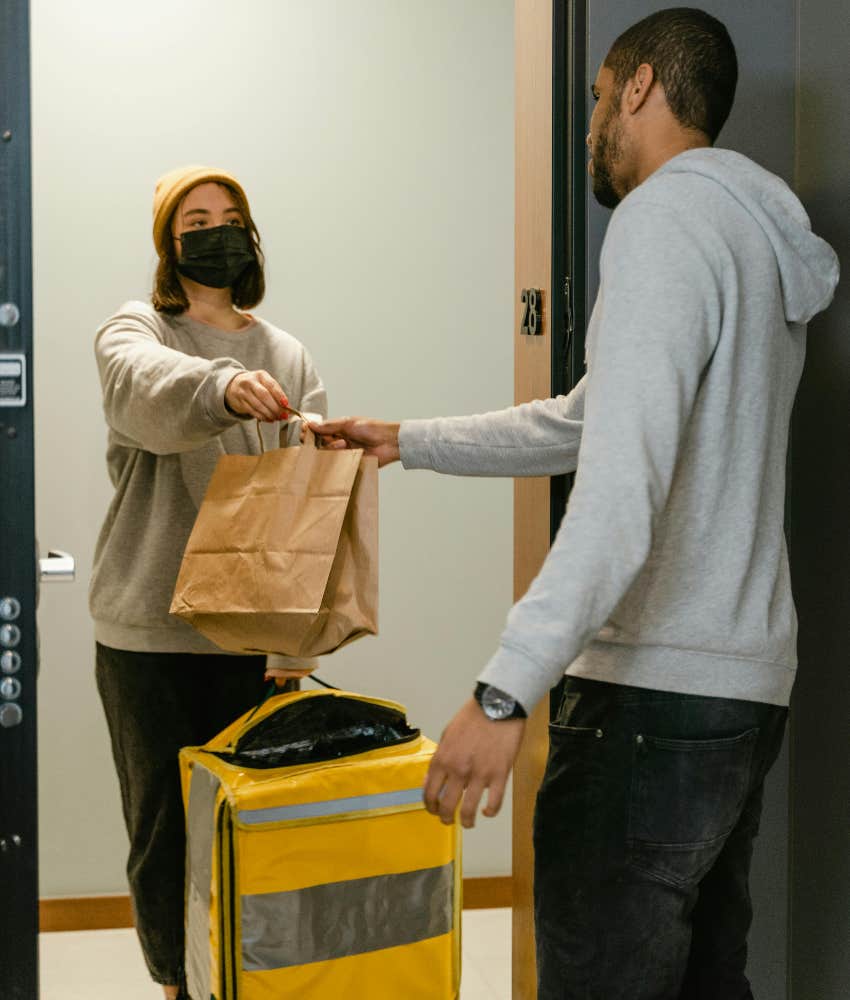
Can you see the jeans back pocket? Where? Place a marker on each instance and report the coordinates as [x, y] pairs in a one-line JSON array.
[[686, 797]]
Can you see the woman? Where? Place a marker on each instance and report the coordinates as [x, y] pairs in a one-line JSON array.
[[185, 379]]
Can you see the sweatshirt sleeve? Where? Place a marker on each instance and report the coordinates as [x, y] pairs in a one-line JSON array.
[[541, 438], [313, 398], [659, 315], [155, 397]]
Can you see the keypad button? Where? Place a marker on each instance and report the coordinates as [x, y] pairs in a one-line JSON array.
[[10, 608], [10, 688], [10, 715], [10, 661], [10, 635]]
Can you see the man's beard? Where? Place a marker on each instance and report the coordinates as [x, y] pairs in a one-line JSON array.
[[607, 150]]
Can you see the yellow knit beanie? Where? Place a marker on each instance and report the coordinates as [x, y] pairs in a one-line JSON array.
[[171, 187]]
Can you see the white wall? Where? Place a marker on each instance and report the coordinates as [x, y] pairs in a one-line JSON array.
[[375, 140]]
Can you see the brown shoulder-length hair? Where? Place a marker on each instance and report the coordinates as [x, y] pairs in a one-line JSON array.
[[248, 290]]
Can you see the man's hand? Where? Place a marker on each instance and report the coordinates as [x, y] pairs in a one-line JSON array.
[[474, 754], [256, 394], [374, 436]]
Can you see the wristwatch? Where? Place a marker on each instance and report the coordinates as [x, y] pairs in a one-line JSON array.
[[496, 704]]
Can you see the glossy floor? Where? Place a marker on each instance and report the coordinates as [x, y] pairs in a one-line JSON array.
[[105, 965]]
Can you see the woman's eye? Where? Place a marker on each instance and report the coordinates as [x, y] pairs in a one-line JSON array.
[[236, 222]]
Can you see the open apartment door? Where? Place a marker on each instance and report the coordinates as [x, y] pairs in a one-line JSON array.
[[20, 569], [18, 795]]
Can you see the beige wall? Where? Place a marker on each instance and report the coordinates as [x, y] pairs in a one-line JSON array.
[[375, 139]]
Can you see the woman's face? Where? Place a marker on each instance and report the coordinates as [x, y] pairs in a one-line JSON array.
[[205, 207]]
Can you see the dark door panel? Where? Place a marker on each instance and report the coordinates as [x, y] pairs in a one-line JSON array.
[[18, 652]]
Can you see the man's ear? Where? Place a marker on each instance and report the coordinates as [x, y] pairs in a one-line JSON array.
[[637, 89]]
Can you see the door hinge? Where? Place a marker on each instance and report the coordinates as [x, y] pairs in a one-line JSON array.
[[568, 305]]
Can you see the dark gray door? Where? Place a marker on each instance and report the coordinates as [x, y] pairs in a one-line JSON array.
[[820, 533], [18, 797]]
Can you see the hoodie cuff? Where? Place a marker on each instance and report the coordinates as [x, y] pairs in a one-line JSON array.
[[414, 444], [518, 675]]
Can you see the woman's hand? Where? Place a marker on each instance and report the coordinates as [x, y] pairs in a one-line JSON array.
[[258, 395], [375, 437]]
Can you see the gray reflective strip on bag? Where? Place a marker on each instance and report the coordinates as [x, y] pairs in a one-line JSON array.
[[332, 807], [323, 922], [201, 817]]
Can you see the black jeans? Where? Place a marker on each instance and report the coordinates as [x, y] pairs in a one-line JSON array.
[[643, 837], [156, 703]]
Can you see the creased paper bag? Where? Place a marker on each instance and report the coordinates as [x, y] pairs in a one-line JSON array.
[[283, 557]]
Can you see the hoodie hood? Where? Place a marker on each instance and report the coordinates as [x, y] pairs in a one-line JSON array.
[[808, 265]]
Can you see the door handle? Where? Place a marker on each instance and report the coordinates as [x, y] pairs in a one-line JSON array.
[[58, 566]]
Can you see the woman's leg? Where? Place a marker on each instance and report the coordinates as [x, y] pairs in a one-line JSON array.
[[156, 703]]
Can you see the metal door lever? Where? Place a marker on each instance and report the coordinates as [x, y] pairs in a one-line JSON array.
[[58, 566]]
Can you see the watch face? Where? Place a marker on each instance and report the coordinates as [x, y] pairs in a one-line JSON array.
[[496, 704]]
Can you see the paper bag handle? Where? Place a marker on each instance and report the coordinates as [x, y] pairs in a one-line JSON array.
[[309, 436]]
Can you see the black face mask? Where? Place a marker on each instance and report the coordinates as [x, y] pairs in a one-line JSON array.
[[215, 257]]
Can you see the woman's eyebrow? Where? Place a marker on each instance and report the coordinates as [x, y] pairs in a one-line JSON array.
[[196, 211]]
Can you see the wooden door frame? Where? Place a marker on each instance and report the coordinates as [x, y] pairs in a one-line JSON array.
[[550, 222], [532, 380]]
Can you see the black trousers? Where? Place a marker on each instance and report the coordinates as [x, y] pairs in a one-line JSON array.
[[156, 703], [644, 832]]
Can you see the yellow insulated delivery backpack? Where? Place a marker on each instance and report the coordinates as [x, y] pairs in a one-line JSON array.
[[313, 870]]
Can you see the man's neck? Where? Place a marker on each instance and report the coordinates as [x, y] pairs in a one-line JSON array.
[[657, 153]]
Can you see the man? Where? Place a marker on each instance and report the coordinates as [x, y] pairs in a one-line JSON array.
[[665, 597]]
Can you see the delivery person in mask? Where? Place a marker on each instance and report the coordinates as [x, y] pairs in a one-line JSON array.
[[185, 379]]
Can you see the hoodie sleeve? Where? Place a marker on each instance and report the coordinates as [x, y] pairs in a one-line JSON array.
[[541, 438], [657, 321], [157, 398]]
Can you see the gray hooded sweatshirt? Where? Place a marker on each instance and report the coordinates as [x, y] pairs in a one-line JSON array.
[[669, 569]]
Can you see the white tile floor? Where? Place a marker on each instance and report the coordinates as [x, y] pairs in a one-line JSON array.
[[105, 965]]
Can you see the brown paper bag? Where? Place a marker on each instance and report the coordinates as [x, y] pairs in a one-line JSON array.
[[283, 557]]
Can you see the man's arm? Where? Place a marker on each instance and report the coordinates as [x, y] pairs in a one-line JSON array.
[[657, 332], [541, 438], [654, 339]]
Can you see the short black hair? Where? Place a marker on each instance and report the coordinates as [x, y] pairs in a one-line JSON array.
[[693, 59]]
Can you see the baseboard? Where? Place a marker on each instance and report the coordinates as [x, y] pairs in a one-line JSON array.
[[487, 893], [104, 912], [84, 913]]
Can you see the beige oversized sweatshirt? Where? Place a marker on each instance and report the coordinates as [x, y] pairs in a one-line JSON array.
[[164, 379]]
